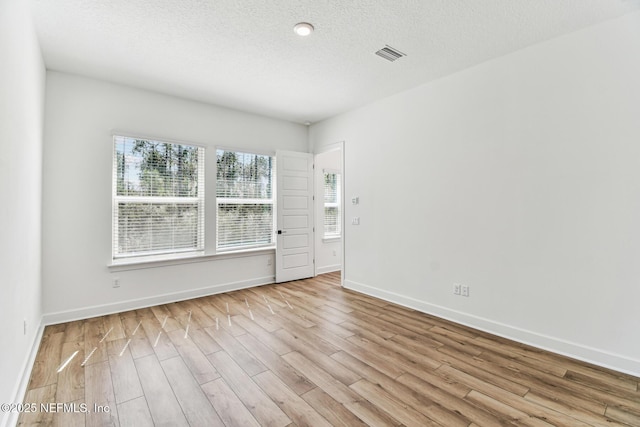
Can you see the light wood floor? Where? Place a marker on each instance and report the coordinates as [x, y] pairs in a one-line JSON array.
[[309, 353]]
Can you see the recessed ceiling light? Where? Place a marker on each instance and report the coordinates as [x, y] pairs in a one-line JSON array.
[[303, 29]]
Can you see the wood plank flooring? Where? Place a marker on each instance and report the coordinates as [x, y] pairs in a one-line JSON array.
[[309, 353]]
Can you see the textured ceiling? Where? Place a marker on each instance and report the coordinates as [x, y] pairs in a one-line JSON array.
[[243, 54]]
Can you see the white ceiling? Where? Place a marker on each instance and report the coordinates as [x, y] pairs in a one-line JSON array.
[[243, 54]]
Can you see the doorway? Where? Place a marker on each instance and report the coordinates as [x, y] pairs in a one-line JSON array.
[[329, 210]]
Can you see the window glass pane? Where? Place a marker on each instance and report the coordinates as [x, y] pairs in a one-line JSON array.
[[153, 168], [331, 221], [243, 175], [244, 224], [156, 227], [331, 187]]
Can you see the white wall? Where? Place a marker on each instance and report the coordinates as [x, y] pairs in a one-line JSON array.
[[22, 79], [519, 177], [328, 254], [80, 116]]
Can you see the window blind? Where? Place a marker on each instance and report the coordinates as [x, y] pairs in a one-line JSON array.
[[244, 200], [158, 197], [332, 217]]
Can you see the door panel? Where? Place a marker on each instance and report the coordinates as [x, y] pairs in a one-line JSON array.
[[295, 261], [294, 242], [294, 221], [295, 183], [295, 202], [294, 252]]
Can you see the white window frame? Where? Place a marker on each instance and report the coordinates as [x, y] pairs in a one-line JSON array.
[[199, 200], [247, 201], [337, 204]]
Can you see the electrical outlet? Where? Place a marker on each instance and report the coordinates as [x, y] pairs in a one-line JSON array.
[[355, 200], [355, 220], [116, 283], [465, 290], [456, 288]]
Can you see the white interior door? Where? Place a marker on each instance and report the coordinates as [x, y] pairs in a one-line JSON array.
[[294, 250]]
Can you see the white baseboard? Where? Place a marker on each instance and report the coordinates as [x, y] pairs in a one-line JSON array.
[[105, 309], [328, 269], [588, 354], [11, 418]]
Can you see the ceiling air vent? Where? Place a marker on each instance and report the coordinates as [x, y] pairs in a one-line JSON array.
[[390, 54]]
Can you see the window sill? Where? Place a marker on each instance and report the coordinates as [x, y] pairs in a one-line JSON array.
[[186, 258], [331, 239]]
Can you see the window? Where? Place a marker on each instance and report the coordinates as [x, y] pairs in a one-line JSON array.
[[244, 200], [332, 217], [158, 197]]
